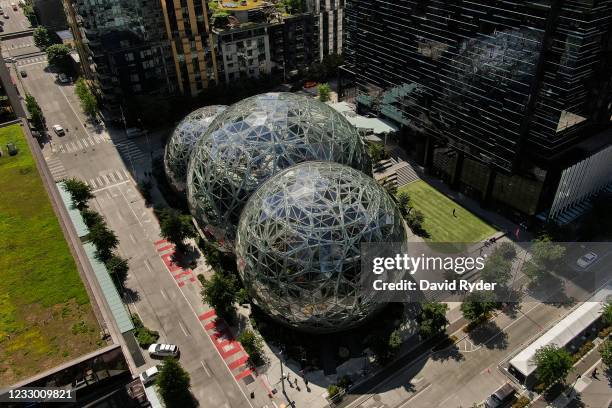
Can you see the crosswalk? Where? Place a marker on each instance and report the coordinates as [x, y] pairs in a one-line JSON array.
[[31, 60], [80, 144], [130, 151], [58, 171], [109, 177]]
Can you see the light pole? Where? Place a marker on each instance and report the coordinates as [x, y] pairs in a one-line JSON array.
[[280, 353]]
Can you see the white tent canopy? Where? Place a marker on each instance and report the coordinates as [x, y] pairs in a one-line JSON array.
[[563, 332]]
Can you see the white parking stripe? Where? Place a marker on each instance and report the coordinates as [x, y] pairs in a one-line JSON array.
[[100, 182], [106, 180], [118, 175], [92, 183], [111, 176]]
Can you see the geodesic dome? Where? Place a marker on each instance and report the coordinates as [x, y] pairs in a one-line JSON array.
[[298, 244], [255, 139], [183, 139]]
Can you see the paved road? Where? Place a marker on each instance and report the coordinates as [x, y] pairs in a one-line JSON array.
[[16, 21], [91, 154]]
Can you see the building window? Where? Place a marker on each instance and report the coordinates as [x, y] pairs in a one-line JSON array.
[[129, 56], [134, 78], [137, 87]]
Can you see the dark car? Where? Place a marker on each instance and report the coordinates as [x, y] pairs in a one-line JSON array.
[[23, 73]]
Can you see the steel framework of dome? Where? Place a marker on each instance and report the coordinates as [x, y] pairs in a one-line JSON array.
[[298, 244], [255, 139], [183, 139]]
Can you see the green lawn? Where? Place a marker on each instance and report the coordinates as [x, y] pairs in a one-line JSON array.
[[439, 222], [45, 314]]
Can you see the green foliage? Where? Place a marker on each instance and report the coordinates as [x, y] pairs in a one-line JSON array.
[[38, 275], [323, 90], [144, 336], [377, 152], [42, 39], [506, 250], [79, 191], [220, 293], [174, 383], [253, 345], [105, 241], [606, 314], [522, 402], [175, 227], [36, 114], [389, 185], [57, 55], [28, 12], [545, 257], [403, 202], [415, 220], [497, 269], [91, 217], [118, 268], [605, 350], [552, 364], [432, 319], [293, 6], [477, 305], [88, 100], [332, 390], [220, 19], [386, 347]]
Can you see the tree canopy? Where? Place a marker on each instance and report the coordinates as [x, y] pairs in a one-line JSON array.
[[41, 36], [324, 91], [432, 319], [220, 292], [174, 383], [87, 99], [477, 305], [553, 363], [36, 115], [80, 192], [105, 241], [57, 55], [118, 269], [175, 227]]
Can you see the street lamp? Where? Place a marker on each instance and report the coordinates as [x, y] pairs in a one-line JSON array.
[[280, 354]]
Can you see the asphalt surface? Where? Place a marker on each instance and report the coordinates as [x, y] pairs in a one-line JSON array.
[[16, 21], [108, 164]]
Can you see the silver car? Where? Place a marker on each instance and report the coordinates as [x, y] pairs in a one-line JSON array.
[[148, 376], [586, 260], [163, 350]]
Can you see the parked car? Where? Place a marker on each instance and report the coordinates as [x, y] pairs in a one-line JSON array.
[[163, 350], [23, 73], [59, 130], [148, 376], [586, 260], [14, 6], [5, 15], [63, 78], [501, 397], [1, 11]]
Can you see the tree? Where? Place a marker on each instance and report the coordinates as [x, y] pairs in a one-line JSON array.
[[403, 202], [105, 241], [42, 39], [80, 192], [415, 221], [118, 268], [545, 257], [395, 342], [477, 305], [432, 319], [506, 250], [57, 55], [36, 115], [220, 293], [386, 346], [323, 91], [606, 315], [606, 352], [376, 152], [175, 227], [552, 364], [88, 100], [497, 269], [174, 383], [28, 11], [253, 345], [91, 217]]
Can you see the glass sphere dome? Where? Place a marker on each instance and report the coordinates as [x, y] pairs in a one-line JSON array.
[[298, 244], [255, 139], [183, 139]]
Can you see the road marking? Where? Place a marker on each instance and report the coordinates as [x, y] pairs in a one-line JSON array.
[[92, 183], [414, 396], [164, 294], [119, 177], [132, 239], [183, 329], [73, 111], [84, 141], [114, 185], [111, 176], [205, 369], [135, 216]]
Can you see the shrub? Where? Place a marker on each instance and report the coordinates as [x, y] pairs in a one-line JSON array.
[[333, 390], [253, 345], [522, 402], [605, 332], [144, 336], [583, 350]]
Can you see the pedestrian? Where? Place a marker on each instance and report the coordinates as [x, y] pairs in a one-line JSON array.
[[454, 209], [296, 382], [594, 373]]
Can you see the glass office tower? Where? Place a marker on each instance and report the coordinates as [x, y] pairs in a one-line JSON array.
[[493, 96]]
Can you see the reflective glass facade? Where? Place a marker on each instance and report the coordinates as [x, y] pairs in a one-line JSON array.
[[179, 147], [501, 82], [253, 140], [299, 243]]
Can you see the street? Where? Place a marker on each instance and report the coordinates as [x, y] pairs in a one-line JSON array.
[[16, 21], [112, 164]]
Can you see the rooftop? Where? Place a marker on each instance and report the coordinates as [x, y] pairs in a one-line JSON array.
[[240, 5]]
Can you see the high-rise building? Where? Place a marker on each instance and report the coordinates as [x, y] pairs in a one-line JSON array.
[[499, 98], [191, 41], [330, 15], [122, 48]]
